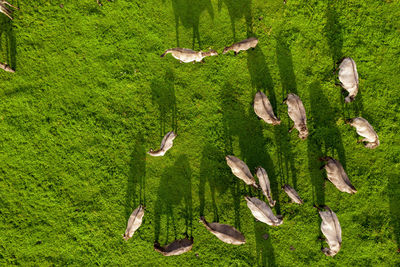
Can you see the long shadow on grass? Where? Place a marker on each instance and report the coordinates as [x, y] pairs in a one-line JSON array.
[[137, 175], [288, 82], [174, 201], [262, 81], [264, 249], [230, 105], [333, 32], [188, 12], [10, 45], [252, 144], [324, 139], [163, 95], [394, 202], [212, 170], [334, 36], [237, 10]]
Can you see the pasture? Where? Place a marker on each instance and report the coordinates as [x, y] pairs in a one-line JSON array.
[[91, 96]]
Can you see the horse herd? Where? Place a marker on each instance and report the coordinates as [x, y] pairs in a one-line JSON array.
[[262, 211]]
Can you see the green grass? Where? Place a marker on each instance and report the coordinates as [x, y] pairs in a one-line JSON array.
[[91, 95]]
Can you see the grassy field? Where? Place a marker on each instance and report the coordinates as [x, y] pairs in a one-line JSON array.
[[91, 95]]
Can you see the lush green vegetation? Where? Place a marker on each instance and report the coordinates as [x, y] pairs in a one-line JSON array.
[[91, 95]]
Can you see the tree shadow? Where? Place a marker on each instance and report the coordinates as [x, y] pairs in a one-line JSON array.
[[10, 44], [188, 12], [324, 139], [282, 136], [174, 199], [163, 95], [333, 32], [237, 10], [394, 203], [264, 249], [137, 176], [211, 166], [252, 144]]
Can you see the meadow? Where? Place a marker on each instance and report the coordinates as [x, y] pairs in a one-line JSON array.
[[91, 96]]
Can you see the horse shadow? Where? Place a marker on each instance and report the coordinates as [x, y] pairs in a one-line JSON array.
[[174, 201], [212, 165], [333, 32], [288, 83], [324, 139], [260, 75], [163, 96], [261, 80], [188, 13], [137, 176], [264, 249], [238, 124], [334, 35], [237, 10], [8, 43]]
